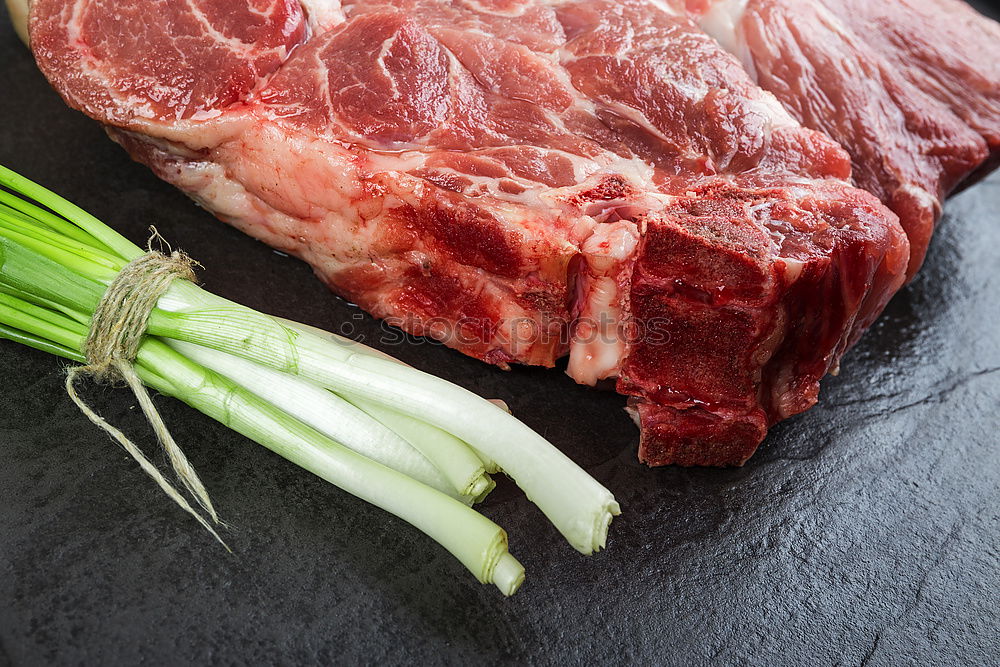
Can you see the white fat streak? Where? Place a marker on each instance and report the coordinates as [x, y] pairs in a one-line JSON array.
[[597, 354], [589, 107], [324, 82], [402, 161], [598, 348], [538, 196], [695, 93], [73, 29], [637, 117], [722, 22], [250, 51], [778, 117], [74, 34], [382, 53], [664, 7], [762, 213], [793, 269], [262, 13], [480, 8], [323, 14], [927, 199]]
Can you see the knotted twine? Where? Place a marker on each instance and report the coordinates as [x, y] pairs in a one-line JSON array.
[[116, 332]]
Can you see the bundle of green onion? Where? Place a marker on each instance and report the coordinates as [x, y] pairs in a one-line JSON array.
[[411, 443]]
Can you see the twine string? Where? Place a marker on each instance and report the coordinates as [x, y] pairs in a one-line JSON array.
[[116, 332]]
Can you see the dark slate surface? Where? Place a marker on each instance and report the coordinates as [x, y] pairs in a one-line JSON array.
[[865, 531]]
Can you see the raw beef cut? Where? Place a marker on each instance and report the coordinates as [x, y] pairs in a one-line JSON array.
[[911, 88], [520, 179]]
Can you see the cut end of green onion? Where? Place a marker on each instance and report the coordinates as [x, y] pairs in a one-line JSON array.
[[602, 522], [481, 496], [508, 575], [480, 486]]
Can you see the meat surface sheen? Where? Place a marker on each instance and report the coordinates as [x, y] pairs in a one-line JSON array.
[[520, 179], [911, 88]]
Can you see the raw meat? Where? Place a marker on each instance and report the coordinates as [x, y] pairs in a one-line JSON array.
[[911, 88], [518, 178]]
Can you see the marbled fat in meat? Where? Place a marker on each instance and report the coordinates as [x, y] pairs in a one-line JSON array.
[[521, 179]]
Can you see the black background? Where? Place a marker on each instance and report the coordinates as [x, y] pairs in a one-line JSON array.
[[863, 531]]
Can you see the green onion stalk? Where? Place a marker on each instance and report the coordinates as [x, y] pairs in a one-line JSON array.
[[413, 444]]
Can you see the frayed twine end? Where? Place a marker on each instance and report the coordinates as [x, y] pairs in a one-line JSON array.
[[116, 332]]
